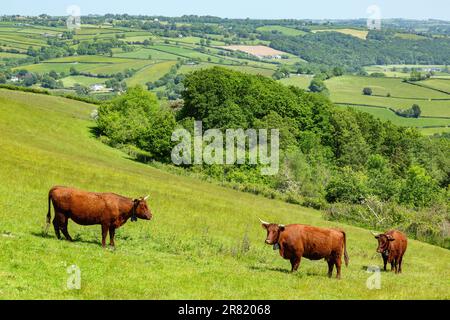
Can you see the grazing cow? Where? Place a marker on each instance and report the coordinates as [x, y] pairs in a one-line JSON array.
[[392, 246], [88, 208], [297, 240]]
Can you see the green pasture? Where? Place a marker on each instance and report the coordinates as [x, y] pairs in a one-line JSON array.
[[385, 114], [284, 30], [150, 73], [301, 81], [348, 89], [144, 53], [439, 84], [93, 64], [8, 55], [70, 81], [247, 69]]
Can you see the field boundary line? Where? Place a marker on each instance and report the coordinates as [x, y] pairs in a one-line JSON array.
[[387, 108], [427, 87]]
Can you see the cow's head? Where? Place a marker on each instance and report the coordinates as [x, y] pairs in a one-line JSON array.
[[384, 241], [141, 210], [273, 231]]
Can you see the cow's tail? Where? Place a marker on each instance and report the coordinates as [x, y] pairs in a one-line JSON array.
[[345, 249], [47, 225]]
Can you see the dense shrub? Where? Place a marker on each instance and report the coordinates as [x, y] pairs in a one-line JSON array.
[[136, 118]]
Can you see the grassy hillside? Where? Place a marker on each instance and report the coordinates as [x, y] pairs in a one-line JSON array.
[[204, 242]]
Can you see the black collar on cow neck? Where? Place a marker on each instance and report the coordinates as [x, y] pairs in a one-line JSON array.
[[133, 211]]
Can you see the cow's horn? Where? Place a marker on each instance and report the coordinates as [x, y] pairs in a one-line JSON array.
[[263, 222], [374, 234], [146, 197]]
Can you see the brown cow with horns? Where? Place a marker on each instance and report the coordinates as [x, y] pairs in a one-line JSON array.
[[109, 210], [297, 240], [392, 246]]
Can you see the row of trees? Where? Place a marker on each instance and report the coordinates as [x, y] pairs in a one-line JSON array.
[[351, 53]]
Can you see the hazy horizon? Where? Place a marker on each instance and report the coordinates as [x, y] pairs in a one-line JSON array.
[[237, 9]]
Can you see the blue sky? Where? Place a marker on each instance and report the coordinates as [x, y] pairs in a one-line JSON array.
[[296, 9]]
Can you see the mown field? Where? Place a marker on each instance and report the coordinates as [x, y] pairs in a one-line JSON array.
[[204, 242], [362, 34]]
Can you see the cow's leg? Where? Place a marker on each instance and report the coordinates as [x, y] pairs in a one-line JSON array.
[[112, 232], [64, 228], [385, 259], [400, 264], [104, 234], [396, 265], [330, 268], [338, 263], [295, 262], [393, 265], [56, 226]]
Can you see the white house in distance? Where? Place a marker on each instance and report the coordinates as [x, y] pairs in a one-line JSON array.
[[97, 87]]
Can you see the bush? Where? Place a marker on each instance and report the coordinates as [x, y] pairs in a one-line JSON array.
[[317, 85], [419, 189], [367, 91], [413, 112], [347, 186], [135, 118]]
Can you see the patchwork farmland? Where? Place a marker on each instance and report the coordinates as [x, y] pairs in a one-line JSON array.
[[141, 57]]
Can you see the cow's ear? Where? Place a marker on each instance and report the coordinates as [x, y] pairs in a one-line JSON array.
[[281, 227], [377, 237], [264, 225], [390, 238]]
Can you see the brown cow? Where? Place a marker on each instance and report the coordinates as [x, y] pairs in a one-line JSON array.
[[392, 246], [297, 240], [88, 208]]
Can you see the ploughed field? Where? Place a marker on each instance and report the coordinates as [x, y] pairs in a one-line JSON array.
[[205, 241]]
